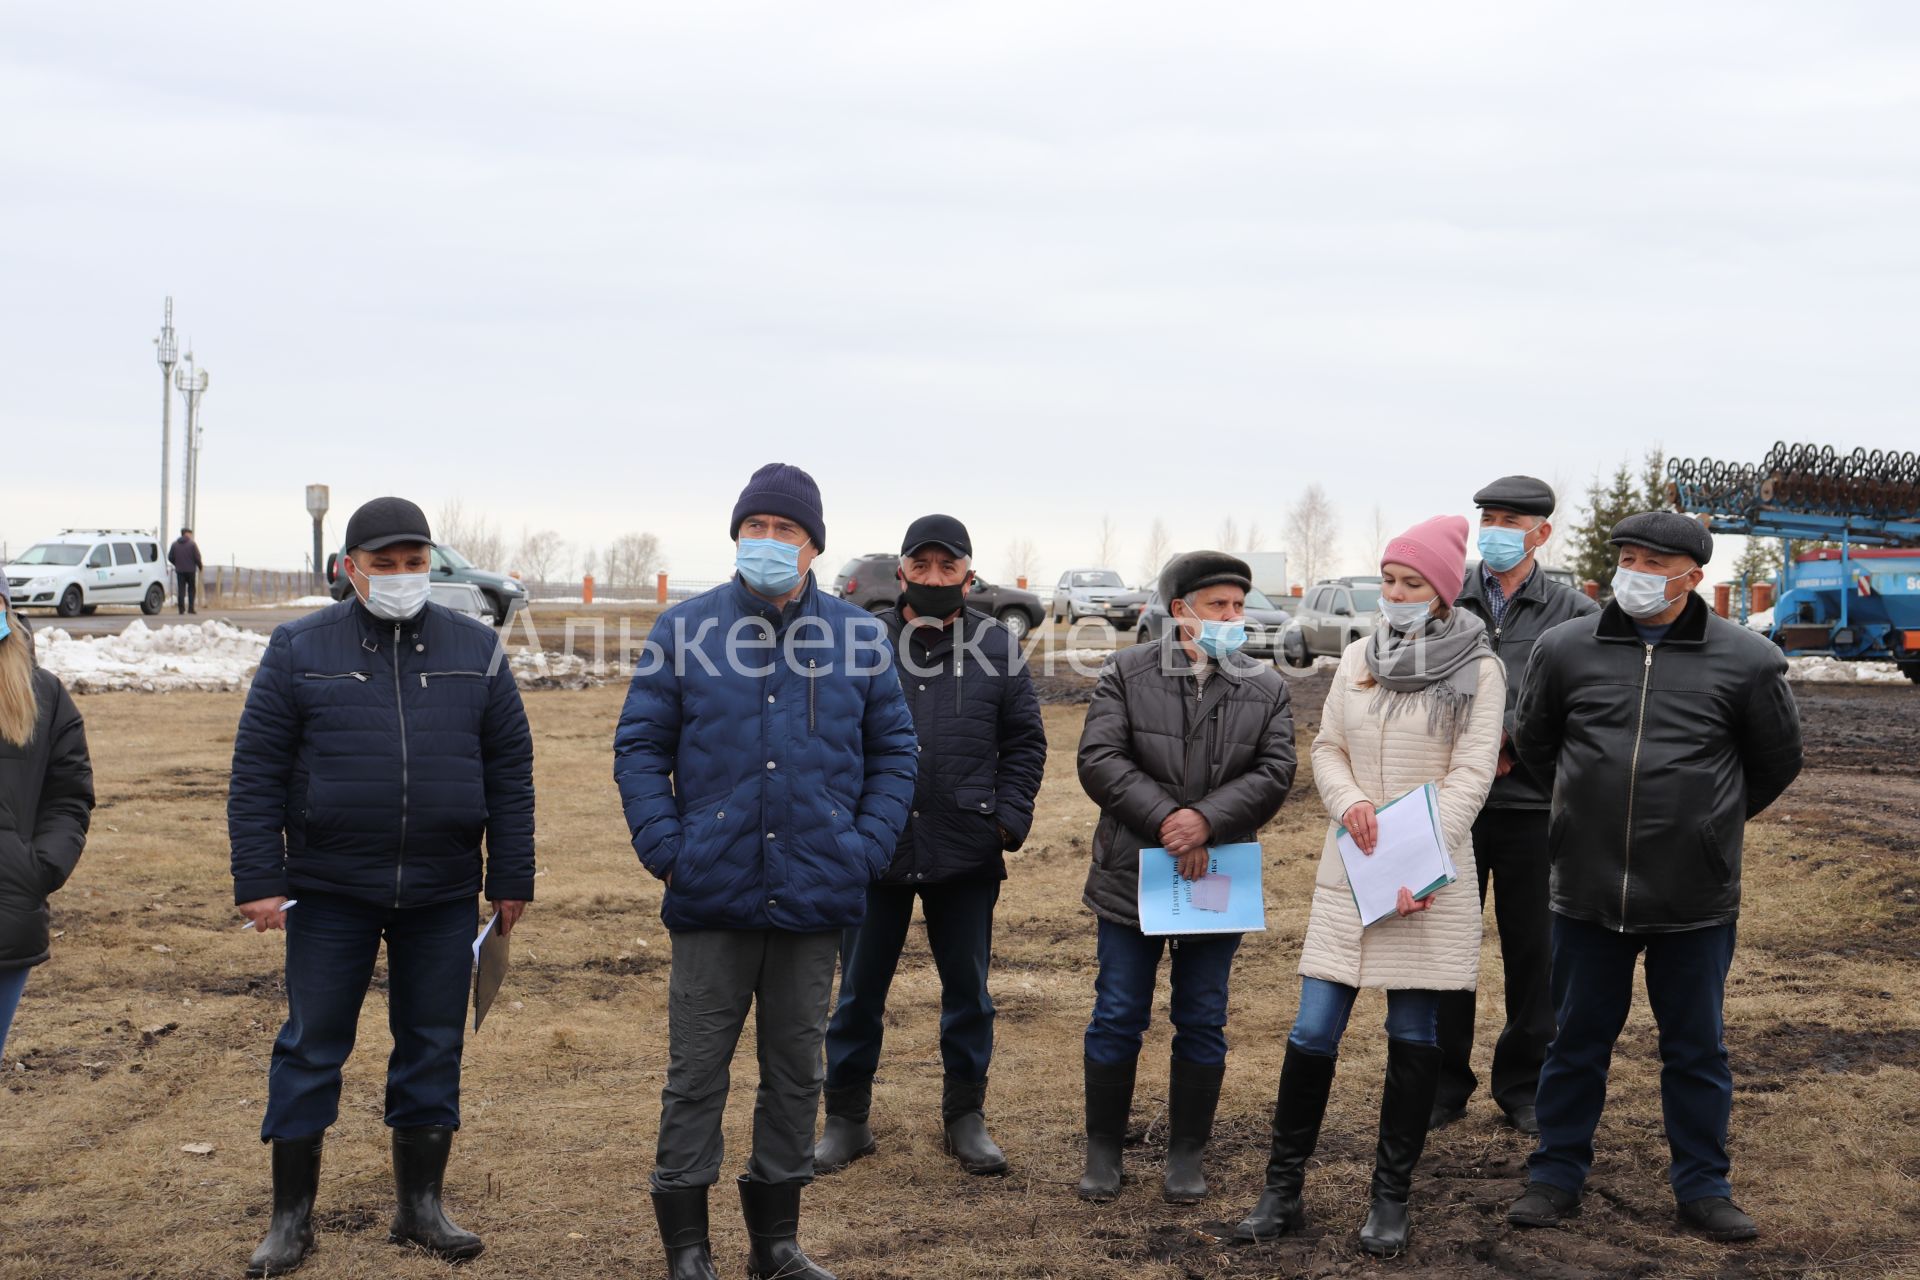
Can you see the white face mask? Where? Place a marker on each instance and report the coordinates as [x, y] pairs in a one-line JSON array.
[[1405, 616], [1642, 595], [396, 597]]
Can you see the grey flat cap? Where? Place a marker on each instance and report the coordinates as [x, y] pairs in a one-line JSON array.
[[1667, 531], [1528, 496], [1188, 573]]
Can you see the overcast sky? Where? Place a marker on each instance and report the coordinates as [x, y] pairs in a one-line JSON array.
[[586, 266]]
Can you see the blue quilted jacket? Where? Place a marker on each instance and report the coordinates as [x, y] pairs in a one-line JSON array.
[[372, 758], [765, 759]]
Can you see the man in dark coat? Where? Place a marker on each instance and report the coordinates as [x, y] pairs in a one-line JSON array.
[[983, 750], [765, 759], [1661, 729], [1519, 604], [383, 740], [184, 556], [1188, 743]]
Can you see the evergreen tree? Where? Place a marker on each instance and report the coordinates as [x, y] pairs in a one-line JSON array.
[[1588, 552]]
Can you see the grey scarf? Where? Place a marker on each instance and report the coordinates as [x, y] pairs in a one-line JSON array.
[[1437, 662]]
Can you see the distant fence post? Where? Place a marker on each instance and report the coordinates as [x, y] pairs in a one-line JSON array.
[[660, 590], [586, 590], [1021, 582]]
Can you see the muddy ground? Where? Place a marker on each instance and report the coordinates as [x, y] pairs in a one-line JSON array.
[[150, 1029]]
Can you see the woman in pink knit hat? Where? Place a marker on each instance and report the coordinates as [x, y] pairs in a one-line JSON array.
[[1420, 700]]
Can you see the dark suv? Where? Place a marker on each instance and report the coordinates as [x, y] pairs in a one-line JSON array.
[[870, 582]]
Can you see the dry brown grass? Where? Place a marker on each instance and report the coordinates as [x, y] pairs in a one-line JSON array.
[[133, 1051]]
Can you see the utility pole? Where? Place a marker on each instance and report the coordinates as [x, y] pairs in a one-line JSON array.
[[192, 382], [317, 496], [166, 351]]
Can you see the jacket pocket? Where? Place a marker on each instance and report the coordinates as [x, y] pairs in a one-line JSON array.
[[1716, 856]]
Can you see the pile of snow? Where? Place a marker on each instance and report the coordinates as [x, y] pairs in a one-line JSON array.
[[1761, 620], [211, 655], [305, 602], [1819, 669], [539, 669]]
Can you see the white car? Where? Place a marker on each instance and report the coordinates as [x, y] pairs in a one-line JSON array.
[[78, 570]]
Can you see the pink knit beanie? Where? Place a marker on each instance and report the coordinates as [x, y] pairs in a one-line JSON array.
[[1435, 549]]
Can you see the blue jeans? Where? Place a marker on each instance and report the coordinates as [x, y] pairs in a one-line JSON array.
[[1593, 989], [959, 918], [332, 943], [1413, 1016], [12, 983], [1129, 964]]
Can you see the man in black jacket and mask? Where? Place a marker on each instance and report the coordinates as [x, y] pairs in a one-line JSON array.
[[1663, 729], [982, 752]]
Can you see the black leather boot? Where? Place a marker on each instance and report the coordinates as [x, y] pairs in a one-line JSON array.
[[1109, 1102], [682, 1216], [296, 1178], [845, 1136], [1413, 1075], [419, 1169], [963, 1110], [1305, 1080], [1193, 1095], [772, 1211]]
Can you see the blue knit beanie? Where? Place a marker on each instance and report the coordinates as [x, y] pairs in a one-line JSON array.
[[778, 489]]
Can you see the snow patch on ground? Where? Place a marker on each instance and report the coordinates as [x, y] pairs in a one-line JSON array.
[[1818, 669], [305, 602], [1761, 620], [210, 655]]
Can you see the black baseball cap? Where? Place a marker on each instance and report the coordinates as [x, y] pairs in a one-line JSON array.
[[385, 521], [943, 531]]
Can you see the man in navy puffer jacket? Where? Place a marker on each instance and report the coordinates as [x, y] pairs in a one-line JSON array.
[[382, 740], [766, 763]]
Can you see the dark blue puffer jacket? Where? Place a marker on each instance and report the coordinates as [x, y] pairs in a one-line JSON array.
[[372, 758], [765, 759], [983, 748]]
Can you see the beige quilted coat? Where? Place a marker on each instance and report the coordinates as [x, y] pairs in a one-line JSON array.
[[1359, 756]]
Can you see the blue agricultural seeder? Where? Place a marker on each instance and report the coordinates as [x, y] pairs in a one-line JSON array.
[[1859, 600]]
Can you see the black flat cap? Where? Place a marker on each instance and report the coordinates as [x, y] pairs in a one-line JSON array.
[[941, 531], [1667, 531], [385, 521], [1528, 496], [1186, 574]]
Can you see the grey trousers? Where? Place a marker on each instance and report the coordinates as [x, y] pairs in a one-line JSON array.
[[786, 979]]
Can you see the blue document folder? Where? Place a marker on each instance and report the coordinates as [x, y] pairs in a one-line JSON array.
[[1228, 899]]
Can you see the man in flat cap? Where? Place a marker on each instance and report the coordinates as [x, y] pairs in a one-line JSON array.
[[983, 750], [1661, 729], [1519, 603], [1188, 744], [382, 741], [766, 759]]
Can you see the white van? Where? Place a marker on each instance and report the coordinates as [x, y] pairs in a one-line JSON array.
[[79, 570]]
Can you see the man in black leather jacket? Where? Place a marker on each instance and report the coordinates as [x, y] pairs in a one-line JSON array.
[[1663, 729], [1511, 593]]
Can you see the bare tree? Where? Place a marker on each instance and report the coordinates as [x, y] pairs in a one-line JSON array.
[[1227, 537], [1022, 558], [1380, 534], [1107, 551], [1256, 538], [542, 556], [633, 559], [471, 534], [589, 562], [1312, 527], [1159, 547]]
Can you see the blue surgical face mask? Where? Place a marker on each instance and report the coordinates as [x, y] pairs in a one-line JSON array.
[[1218, 639], [6, 624], [1502, 549], [768, 565], [1405, 616]]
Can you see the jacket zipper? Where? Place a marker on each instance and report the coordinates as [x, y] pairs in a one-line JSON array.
[[361, 676], [425, 674], [811, 681], [399, 707], [1633, 779]]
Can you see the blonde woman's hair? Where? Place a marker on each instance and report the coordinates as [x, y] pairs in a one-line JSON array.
[[19, 709]]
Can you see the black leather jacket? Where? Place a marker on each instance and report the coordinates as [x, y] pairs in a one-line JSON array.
[[1657, 756], [1538, 606]]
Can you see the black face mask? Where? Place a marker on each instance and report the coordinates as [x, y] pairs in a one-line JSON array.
[[932, 602]]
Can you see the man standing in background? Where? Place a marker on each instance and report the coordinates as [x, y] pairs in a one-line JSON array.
[[184, 556]]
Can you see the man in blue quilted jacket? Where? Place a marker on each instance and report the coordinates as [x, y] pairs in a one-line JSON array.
[[383, 741], [983, 750], [766, 762]]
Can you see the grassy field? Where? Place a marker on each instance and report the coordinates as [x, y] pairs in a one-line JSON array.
[[151, 1028]]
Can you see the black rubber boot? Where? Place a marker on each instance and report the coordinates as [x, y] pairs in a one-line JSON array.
[[963, 1110], [1305, 1081], [296, 1178], [1413, 1074], [845, 1136], [419, 1169], [1109, 1102], [1193, 1095], [682, 1216], [772, 1211]]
